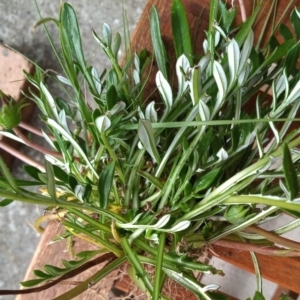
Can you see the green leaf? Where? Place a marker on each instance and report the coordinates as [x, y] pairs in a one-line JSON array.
[[51, 107], [146, 136], [278, 53], [107, 34], [111, 97], [294, 94], [258, 296], [190, 283], [117, 44], [195, 84], [182, 66], [50, 180], [290, 173], [285, 32], [154, 180], [32, 171], [295, 20], [136, 264], [6, 173], [246, 51], [180, 29], [244, 31], [285, 297], [157, 42], [54, 271], [291, 59], [5, 202], [102, 123], [46, 20], [67, 136], [70, 31], [105, 184], [233, 59], [41, 274], [205, 181], [33, 282], [227, 15], [165, 90]]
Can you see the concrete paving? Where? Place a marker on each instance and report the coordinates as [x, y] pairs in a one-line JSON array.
[[17, 19]]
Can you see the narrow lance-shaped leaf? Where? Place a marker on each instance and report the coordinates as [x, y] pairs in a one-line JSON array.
[[50, 180], [290, 173], [294, 95], [195, 84], [285, 32], [70, 27], [102, 123], [150, 112], [8, 176], [278, 53], [107, 34], [182, 66], [111, 97], [70, 37], [233, 59], [204, 111], [258, 296], [292, 58], [227, 15], [157, 42], [180, 29], [105, 184], [295, 20], [5, 202], [68, 137], [165, 90], [205, 181], [247, 47], [146, 136], [117, 44], [221, 81], [52, 106]]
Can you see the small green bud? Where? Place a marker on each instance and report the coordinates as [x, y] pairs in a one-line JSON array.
[[236, 213], [10, 113]]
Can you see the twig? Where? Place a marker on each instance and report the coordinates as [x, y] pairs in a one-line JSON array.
[[109, 257], [33, 145], [266, 250], [274, 237], [21, 156], [39, 148], [243, 10], [34, 130]]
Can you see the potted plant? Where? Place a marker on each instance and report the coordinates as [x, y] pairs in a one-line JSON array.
[[152, 183]]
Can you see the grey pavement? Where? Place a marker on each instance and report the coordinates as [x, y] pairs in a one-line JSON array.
[[17, 19]]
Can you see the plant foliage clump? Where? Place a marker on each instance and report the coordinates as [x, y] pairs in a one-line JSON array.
[[155, 181]]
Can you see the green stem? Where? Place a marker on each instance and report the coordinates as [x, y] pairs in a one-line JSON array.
[[46, 201], [184, 124], [175, 260], [284, 204], [114, 157], [83, 286], [107, 244], [174, 175], [90, 220], [274, 237], [158, 267], [136, 264], [210, 201]]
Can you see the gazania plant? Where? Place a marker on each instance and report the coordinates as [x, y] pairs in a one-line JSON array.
[[153, 183]]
